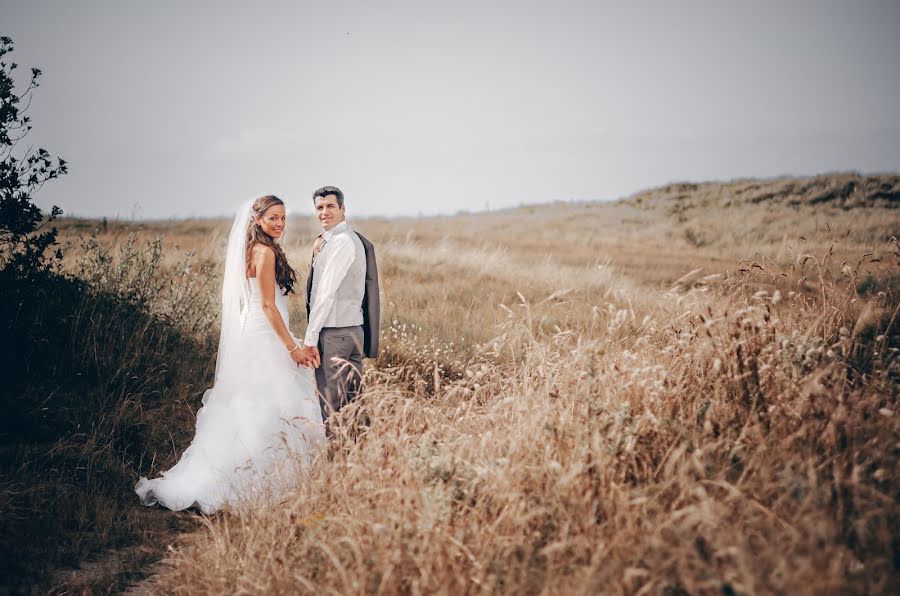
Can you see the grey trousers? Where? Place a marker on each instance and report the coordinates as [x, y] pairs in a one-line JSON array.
[[339, 375]]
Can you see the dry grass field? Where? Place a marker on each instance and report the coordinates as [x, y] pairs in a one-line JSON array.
[[692, 390]]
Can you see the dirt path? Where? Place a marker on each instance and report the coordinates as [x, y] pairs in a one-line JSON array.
[[107, 571], [128, 570]]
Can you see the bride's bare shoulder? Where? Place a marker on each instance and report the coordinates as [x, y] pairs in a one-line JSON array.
[[262, 258], [261, 251]]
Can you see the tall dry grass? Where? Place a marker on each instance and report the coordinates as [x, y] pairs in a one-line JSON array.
[[100, 372], [585, 397], [724, 439]]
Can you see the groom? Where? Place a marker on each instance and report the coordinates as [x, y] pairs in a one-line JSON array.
[[342, 304]]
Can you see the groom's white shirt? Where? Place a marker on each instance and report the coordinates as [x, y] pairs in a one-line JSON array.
[[339, 282]]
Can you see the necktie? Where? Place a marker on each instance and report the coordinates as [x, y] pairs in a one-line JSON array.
[[317, 246]]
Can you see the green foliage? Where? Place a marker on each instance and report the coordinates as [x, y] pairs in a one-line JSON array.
[[24, 236]]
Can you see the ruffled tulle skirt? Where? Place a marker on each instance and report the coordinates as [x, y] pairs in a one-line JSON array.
[[259, 429]]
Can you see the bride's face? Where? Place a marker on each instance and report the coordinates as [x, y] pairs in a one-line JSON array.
[[272, 221]]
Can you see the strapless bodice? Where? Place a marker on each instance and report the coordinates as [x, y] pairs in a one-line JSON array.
[[255, 314]]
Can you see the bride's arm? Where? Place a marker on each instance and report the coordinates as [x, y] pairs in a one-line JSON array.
[[264, 263]]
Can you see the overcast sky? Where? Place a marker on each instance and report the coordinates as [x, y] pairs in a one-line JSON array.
[[186, 108]]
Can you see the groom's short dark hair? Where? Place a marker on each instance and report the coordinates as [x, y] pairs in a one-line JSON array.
[[329, 190]]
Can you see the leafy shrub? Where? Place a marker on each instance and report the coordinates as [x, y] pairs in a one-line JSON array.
[[24, 237]]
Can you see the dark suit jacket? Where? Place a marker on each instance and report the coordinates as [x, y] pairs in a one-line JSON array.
[[371, 304]]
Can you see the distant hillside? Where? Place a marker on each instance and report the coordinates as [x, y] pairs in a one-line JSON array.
[[844, 191]]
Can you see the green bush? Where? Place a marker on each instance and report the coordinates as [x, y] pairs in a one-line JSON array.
[[24, 235]]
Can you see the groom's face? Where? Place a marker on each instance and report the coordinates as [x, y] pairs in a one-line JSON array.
[[328, 211]]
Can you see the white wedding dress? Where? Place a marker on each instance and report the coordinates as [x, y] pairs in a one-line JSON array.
[[260, 425]]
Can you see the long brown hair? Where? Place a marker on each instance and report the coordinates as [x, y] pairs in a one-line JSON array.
[[285, 275]]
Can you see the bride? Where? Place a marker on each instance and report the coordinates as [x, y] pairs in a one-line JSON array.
[[260, 423]]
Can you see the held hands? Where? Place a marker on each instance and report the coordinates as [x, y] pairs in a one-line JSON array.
[[306, 356], [312, 356]]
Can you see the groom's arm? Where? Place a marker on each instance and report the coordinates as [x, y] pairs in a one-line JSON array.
[[342, 255]]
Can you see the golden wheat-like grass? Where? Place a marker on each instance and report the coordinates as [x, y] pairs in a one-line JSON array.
[[590, 399], [725, 440]]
